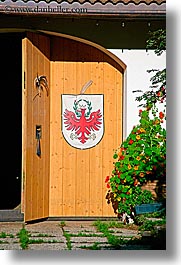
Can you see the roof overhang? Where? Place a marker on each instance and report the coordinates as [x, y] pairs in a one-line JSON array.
[[86, 8]]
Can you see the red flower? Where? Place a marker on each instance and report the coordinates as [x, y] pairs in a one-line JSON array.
[[131, 141], [108, 186], [135, 183], [107, 179], [140, 111], [121, 157], [161, 115], [122, 149]]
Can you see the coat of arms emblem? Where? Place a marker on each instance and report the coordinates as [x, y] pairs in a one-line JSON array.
[[82, 120]]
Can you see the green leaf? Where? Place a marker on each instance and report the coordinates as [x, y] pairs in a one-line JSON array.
[[117, 180], [120, 187], [117, 164], [125, 189], [128, 178], [115, 156]]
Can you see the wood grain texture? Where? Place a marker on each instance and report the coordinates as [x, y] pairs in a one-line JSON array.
[[77, 177], [66, 181], [36, 112]]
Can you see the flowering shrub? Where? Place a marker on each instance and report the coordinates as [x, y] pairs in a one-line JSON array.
[[140, 158]]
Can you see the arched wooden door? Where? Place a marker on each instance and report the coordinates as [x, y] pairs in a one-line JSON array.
[[77, 177], [68, 181]]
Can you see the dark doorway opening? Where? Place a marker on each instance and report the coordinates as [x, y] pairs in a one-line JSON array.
[[11, 119]]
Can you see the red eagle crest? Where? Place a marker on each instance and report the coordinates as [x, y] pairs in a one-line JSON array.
[[82, 125]]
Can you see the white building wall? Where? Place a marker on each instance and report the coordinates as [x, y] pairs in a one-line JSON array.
[[137, 77]]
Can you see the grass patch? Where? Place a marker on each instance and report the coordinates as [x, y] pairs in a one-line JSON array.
[[80, 234], [68, 241], [62, 224], [113, 240], [40, 241], [116, 224], [42, 235], [157, 240], [95, 246], [5, 235], [23, 238]]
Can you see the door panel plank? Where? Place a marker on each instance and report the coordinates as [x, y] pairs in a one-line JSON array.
[[37, 112]]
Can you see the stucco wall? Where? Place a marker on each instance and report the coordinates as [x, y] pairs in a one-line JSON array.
[[137, 77]]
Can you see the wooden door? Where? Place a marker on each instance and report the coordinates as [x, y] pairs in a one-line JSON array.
[[65, 181], [77, 183], [36, 109]]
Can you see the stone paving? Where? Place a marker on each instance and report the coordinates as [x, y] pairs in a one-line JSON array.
[[57, 235]]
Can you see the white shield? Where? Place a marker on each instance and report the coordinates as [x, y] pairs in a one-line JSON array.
[[83, 120]]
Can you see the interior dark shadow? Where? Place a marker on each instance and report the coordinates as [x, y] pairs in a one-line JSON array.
[[11, 119]]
